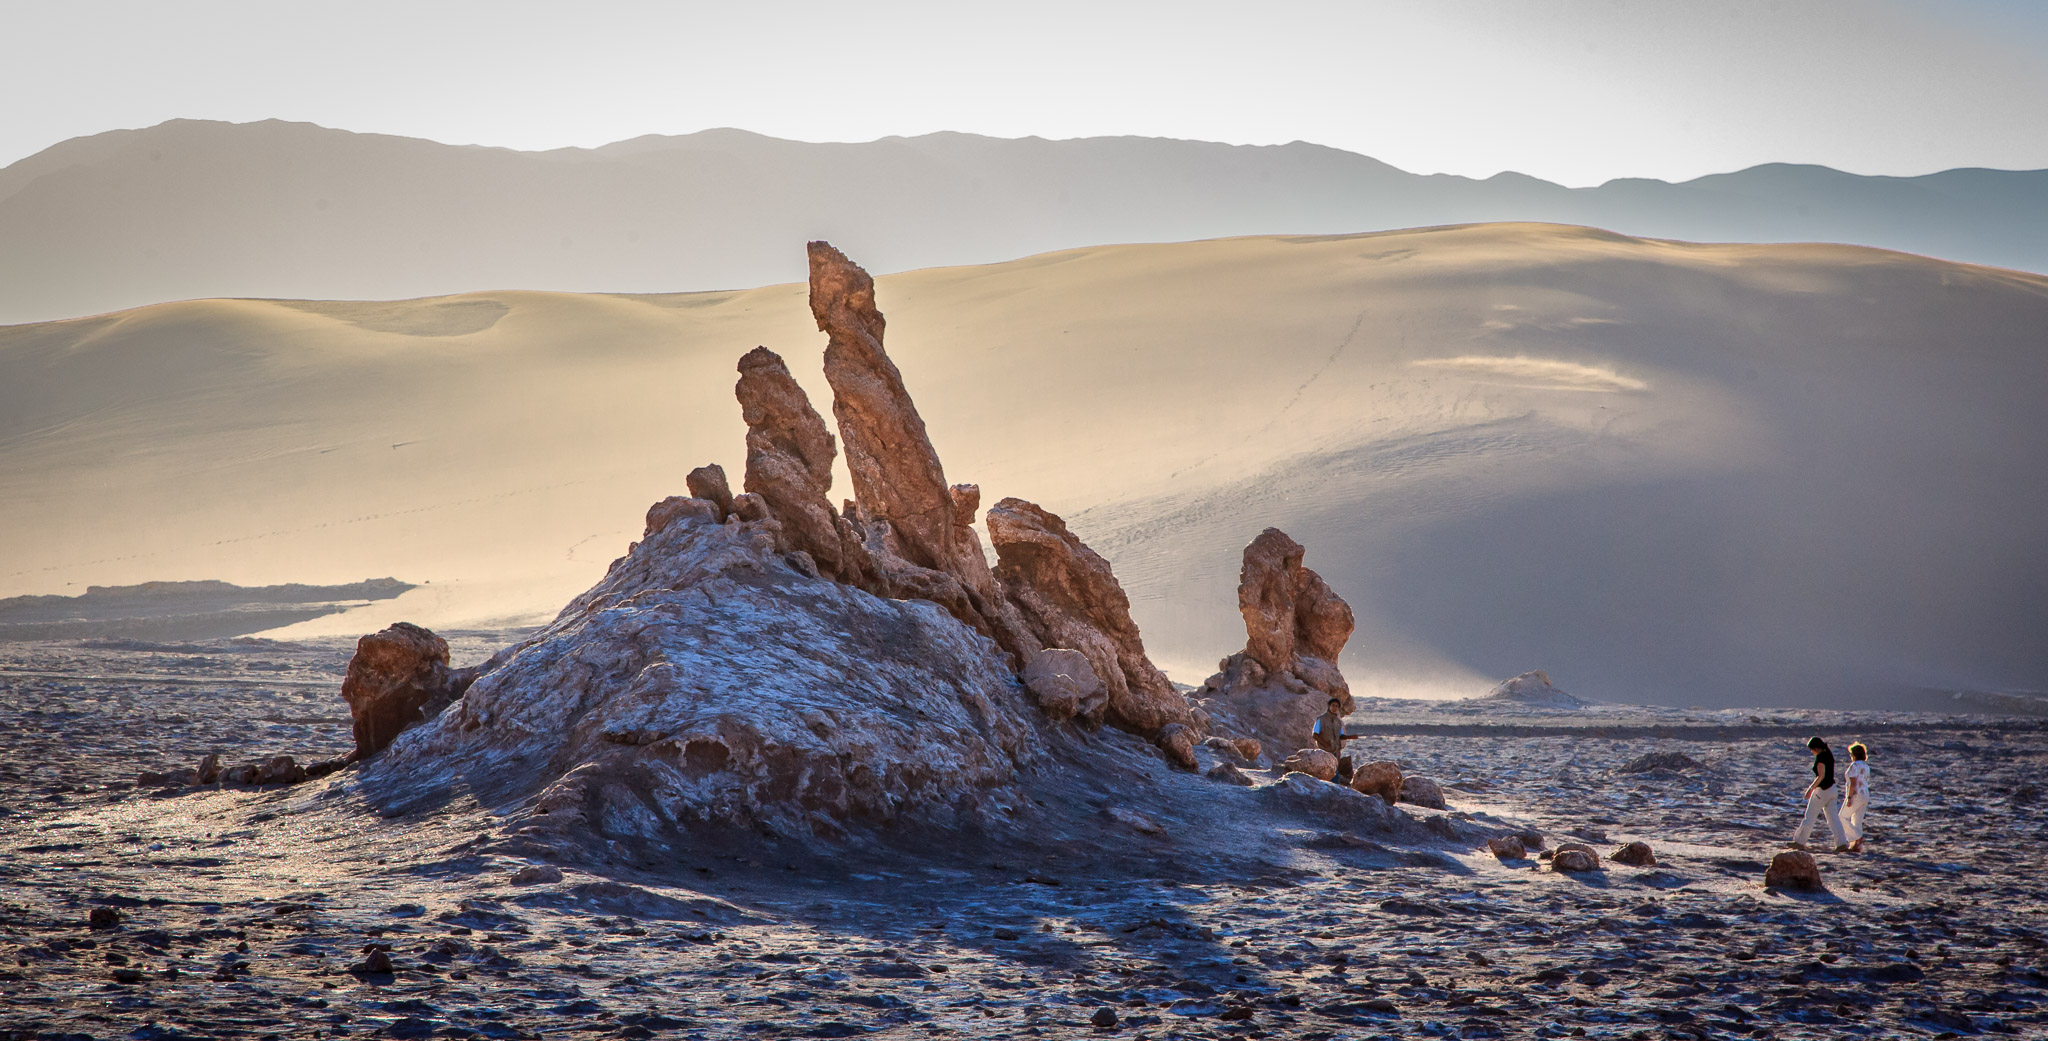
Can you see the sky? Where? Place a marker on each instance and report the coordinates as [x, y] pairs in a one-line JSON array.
[[1575, 91]]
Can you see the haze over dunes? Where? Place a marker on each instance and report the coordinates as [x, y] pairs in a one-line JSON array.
[[1665, 472], [191, 209]]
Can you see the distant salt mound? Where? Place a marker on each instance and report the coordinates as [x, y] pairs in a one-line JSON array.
[[1534, 690]]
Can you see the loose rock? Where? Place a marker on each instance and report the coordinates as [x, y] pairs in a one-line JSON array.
[[398, 677], [1380, 778], [1421, 791], [1635, 854], [1314, 762], [1794, 869]]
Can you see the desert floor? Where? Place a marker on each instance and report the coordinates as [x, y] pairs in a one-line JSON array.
[[242, 911]]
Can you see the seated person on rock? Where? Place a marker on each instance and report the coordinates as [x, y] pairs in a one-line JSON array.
[[1330, 737]]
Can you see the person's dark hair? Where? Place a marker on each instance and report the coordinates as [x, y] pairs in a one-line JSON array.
[[1816, 743], [1857, 751], [1333, 701]]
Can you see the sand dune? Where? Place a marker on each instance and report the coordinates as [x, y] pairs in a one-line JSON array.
[[193, 208], [1664, 472]]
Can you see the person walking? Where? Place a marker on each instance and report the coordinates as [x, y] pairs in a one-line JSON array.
[[1820, 797], [1856, 796]]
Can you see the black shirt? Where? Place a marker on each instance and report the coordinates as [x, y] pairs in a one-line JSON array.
[[1824, 767]]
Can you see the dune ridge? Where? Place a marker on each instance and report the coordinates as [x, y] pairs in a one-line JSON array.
[[1810, 482]]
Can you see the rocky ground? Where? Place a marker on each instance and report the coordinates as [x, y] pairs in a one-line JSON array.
[[300, 912]]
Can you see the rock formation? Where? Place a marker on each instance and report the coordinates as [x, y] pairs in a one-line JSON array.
[[1507, 848], [1295, 629], [762, 663], [397, 678], [708, 681], [1069, 598], [789, 465]]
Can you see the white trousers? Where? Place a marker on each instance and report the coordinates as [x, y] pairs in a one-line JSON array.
[[1822, 803], [1852, 815]]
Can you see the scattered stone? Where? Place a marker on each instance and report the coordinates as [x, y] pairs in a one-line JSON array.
[[103, 918], [1104, 1018], [1794, 869], [1635, 854], [1228, 773], [1381, 778], [1420, 791], [536, 874], [1245, 749], [1314, 762], [209, 769], [1574, 860], [376, 961], [1508, 848]]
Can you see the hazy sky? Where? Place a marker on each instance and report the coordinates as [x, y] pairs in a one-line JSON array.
[[1577, 91]]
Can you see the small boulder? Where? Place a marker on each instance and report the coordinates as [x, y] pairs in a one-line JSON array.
[[1635, 854], [749, 507], [1574, 860], [103, 918], [1104, 1018], [375, 962], [1064, 683], [1509, 848], [1177, 740], [708, 483], [1314, 762], [1380, 778], [1228, 773], [280, 769], [398, 677], [676, 507], [209, 770], [1794, 869], [536, 874], [1243, 749], [1421, 791]]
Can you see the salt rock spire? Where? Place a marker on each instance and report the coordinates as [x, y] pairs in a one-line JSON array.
[[789, 460], [1070, 599], [896, 473], [1295, 629]]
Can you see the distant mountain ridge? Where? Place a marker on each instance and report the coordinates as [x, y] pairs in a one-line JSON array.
[[190, 209]]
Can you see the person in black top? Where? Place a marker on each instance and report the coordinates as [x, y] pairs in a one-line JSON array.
[[1820, 797]]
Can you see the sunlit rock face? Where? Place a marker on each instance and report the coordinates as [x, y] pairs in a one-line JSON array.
[[1295, 628], [398, 678], [761, 663], [708, 680]]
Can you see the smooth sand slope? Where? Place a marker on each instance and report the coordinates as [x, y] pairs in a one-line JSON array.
[[1664, 472], [192, 208]]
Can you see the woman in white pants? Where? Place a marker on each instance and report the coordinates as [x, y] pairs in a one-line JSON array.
[[1857, 795], [1820, 797]]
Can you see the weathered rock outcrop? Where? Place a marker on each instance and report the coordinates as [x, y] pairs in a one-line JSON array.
[[399, 677], [789, 465], [761, 662], [1295, 629], [708, 681], [1070, 598]]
